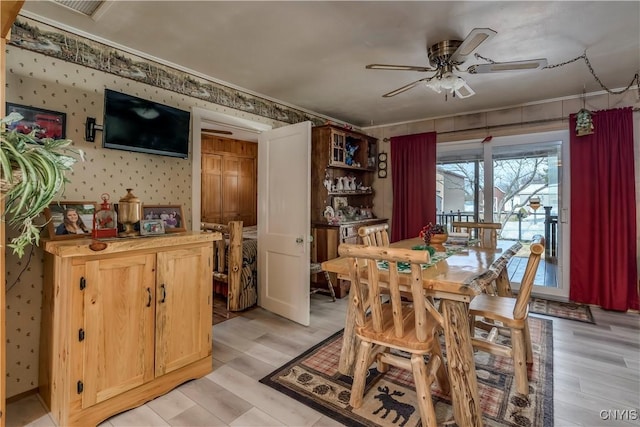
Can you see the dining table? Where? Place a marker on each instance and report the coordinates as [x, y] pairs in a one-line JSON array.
[[456, 275]]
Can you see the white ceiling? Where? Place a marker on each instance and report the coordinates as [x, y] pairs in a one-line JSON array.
[[312, 54]]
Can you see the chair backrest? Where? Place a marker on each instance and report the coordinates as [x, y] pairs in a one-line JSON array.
[[219, 246], [369, 280], [374, 235], [524, 294], [231, 236], [485, 232]]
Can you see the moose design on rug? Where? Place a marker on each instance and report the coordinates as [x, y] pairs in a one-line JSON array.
[[389, 404]]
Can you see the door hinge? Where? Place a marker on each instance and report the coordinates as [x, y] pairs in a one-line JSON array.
[[83, 283], [81, 334], [80, 387]]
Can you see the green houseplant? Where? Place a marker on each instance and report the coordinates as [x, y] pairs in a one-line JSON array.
[[32, 174]]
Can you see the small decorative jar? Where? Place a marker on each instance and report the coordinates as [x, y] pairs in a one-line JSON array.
[[130, 212]]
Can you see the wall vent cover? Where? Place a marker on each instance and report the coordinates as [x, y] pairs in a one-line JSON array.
[[86, 7]]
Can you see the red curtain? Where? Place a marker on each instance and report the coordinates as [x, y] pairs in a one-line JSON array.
[[413, 174], [603, 213]]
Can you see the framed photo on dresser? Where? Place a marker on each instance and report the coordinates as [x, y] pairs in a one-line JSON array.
[[170, 215]]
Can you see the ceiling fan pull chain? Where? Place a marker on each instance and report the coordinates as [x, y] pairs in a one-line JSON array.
[[490, 61]]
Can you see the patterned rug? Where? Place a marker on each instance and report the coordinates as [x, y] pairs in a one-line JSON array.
[[563, 310], [390, 399]]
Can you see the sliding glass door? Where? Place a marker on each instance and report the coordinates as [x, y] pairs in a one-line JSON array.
[[517, 182]]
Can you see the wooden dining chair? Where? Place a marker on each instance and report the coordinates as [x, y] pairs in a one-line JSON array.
[[512, 315], [374, 235], [411, 327], [316, 268], [485, 232]]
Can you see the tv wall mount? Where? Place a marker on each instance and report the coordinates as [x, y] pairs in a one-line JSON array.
[[90, 128]]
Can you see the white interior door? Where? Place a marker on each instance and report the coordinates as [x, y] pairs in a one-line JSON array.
[[284, 164]]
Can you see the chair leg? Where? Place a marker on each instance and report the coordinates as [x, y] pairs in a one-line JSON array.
[[519, 361], [423, 389], [328, 277], [442, 375], [360, 374], [527, 342]]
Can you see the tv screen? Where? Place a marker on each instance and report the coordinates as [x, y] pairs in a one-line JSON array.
[[135, 124]]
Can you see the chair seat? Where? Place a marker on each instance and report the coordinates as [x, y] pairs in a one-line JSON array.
[[387, 337], [497, 308]]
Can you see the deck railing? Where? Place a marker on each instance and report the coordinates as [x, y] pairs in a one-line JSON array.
[[447, 218], [550, 227]]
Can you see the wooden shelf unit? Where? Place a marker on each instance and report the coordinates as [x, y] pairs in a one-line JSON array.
[[329, 162]]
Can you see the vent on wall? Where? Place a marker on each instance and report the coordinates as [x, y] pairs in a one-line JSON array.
[[86, 7]]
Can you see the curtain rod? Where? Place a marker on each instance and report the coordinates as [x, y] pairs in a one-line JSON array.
[[531, 122]]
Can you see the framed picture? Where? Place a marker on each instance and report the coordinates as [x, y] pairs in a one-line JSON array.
[[69, 220], [171, 216], [151, 227], [339, 203], [46, 123]]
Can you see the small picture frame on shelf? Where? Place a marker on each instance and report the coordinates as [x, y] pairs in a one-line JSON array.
[[69, 220], [171, 216], [339, 203], [150, 227]]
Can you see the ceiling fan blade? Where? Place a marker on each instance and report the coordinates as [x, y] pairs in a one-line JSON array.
[[392, 67], [475, 38], [464, 91], [498, 67], [406, 87]]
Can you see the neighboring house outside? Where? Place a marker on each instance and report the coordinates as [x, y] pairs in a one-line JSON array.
[[450, 194]]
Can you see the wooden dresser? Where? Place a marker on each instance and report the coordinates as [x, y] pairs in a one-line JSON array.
[[123, 325]]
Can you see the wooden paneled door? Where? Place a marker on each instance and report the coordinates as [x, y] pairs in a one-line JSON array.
[[211, 188], [180, 339], [239, 190], [229, 180], [118, 318]]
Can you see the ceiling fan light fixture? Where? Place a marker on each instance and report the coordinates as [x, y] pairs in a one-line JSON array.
[[447, 81]]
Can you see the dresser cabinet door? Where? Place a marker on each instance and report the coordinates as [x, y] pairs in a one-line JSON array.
[[183, 287], [118, 326]]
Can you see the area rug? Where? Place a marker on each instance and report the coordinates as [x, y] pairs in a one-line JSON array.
[[563, 310], [390, 399]]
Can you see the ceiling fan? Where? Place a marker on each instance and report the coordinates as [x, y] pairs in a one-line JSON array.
[[446, 56]]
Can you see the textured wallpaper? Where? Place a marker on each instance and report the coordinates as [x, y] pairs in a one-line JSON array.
[[37, 80]]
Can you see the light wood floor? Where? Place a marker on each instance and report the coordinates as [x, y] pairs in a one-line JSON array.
[[596, 368]]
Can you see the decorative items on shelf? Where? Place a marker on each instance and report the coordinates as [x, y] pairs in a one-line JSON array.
[[350, 154], [69, 220], [130, 211], [105, 219], [345, 183]]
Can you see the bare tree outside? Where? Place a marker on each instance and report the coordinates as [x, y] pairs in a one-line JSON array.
[[511, 176]]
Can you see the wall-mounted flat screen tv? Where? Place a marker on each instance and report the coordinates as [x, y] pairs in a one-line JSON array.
[[135, 124]]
